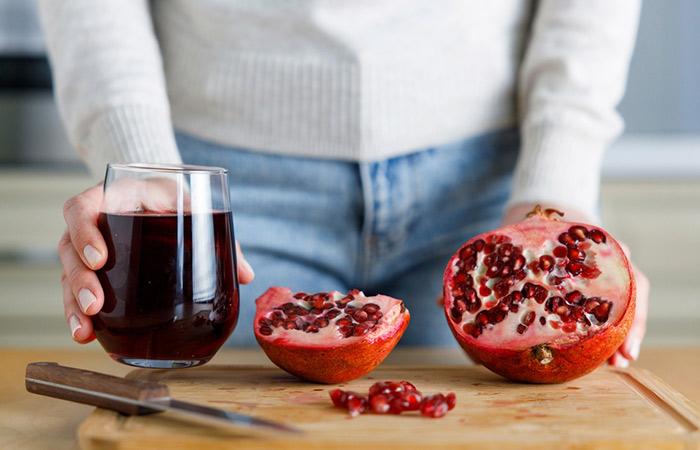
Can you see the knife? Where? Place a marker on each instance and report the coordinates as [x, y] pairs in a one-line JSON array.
[[134, 397]]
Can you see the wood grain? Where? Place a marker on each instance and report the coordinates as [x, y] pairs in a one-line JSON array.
[[32, 422], [609, 409]]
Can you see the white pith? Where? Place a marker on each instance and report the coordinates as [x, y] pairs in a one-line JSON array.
[[391, 309], [612, 285]]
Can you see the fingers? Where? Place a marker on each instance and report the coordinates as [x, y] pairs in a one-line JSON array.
[[79, 324], [245, 271], [82, 282], [618, 360], [80, 213], [632, 345]]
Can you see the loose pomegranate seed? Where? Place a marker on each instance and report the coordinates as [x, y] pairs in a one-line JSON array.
[[434, 406], [339, 398], [408, 386], [357, 406], [451, 399], [379, 403], [395, 406], [412, 401]]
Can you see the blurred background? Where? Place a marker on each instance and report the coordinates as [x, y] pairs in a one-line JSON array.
[[650, 196]]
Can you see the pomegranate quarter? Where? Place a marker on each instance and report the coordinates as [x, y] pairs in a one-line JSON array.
[[328, 337], [542, 301]]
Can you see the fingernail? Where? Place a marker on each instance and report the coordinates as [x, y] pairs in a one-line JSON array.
[[92, 256], [622, 363], [74, 324], [86, 299], [246, 266], [634, 349]]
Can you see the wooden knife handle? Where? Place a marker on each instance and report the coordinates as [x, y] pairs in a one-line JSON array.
[[93, 388]]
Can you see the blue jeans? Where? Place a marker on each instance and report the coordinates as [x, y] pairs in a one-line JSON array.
[[384, 227]]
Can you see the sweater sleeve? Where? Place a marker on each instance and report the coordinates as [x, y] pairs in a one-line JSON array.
[[108, 80], [572, 77]]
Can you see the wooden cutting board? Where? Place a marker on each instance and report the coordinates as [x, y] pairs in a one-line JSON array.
[[616, 409]]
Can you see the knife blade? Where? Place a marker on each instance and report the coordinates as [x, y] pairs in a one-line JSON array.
[[135, 397]]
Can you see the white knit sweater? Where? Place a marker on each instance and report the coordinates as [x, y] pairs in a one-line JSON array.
[[357, 80]]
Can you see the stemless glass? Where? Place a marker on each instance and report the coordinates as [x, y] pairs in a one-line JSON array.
[[170, 284]]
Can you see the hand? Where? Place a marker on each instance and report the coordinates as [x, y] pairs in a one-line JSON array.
[[629, 350], [82, 250]]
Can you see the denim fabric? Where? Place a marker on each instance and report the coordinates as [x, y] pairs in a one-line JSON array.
[[384, 227]]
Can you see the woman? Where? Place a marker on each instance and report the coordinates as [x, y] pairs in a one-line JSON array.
[[365, 140]]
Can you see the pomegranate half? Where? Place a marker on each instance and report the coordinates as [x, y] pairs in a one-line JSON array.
[[328, 337], [542, 301]]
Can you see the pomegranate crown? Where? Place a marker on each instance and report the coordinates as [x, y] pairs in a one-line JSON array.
[[548, 213]]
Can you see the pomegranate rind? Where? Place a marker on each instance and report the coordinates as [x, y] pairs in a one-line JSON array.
[[564, 359], [338, 360]]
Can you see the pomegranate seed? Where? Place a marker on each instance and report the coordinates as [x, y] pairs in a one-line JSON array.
[[602, 312], [574, 296], [479, 245], [578, 233], [534, 267], [576, 255], [300, 295], [360, 316], [467, 252], [569, 327], [290, 325], [591, 304], [513, 308], [529, 318], [494, 269], [472, 329], [543, 321], [475, 306], [345, 321], [339, 398], [456, 314], [555, 324], [521, 328], [484, 291], [574, 268], [434, 406], [560, 251], [265, 330], [590, 272], [371, 308], [505, 271], [412, 401], [360, 331], [597, 236], [451, 400], [501, 289], [554, 280], [357, 406], [566, 239], [347, 331], [489, 248], [518, 263], [546, 263], [264, 321], [396, 406], [332, 314], [379, 403], [408, 386], [505, 249], [321, 322]]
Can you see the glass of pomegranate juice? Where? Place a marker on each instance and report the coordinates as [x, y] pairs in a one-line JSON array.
[[170, 285]]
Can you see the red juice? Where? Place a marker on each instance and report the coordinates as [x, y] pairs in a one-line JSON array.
[[170, 287]]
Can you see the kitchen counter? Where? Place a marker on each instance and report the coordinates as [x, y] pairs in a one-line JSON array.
[[33, 422]]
